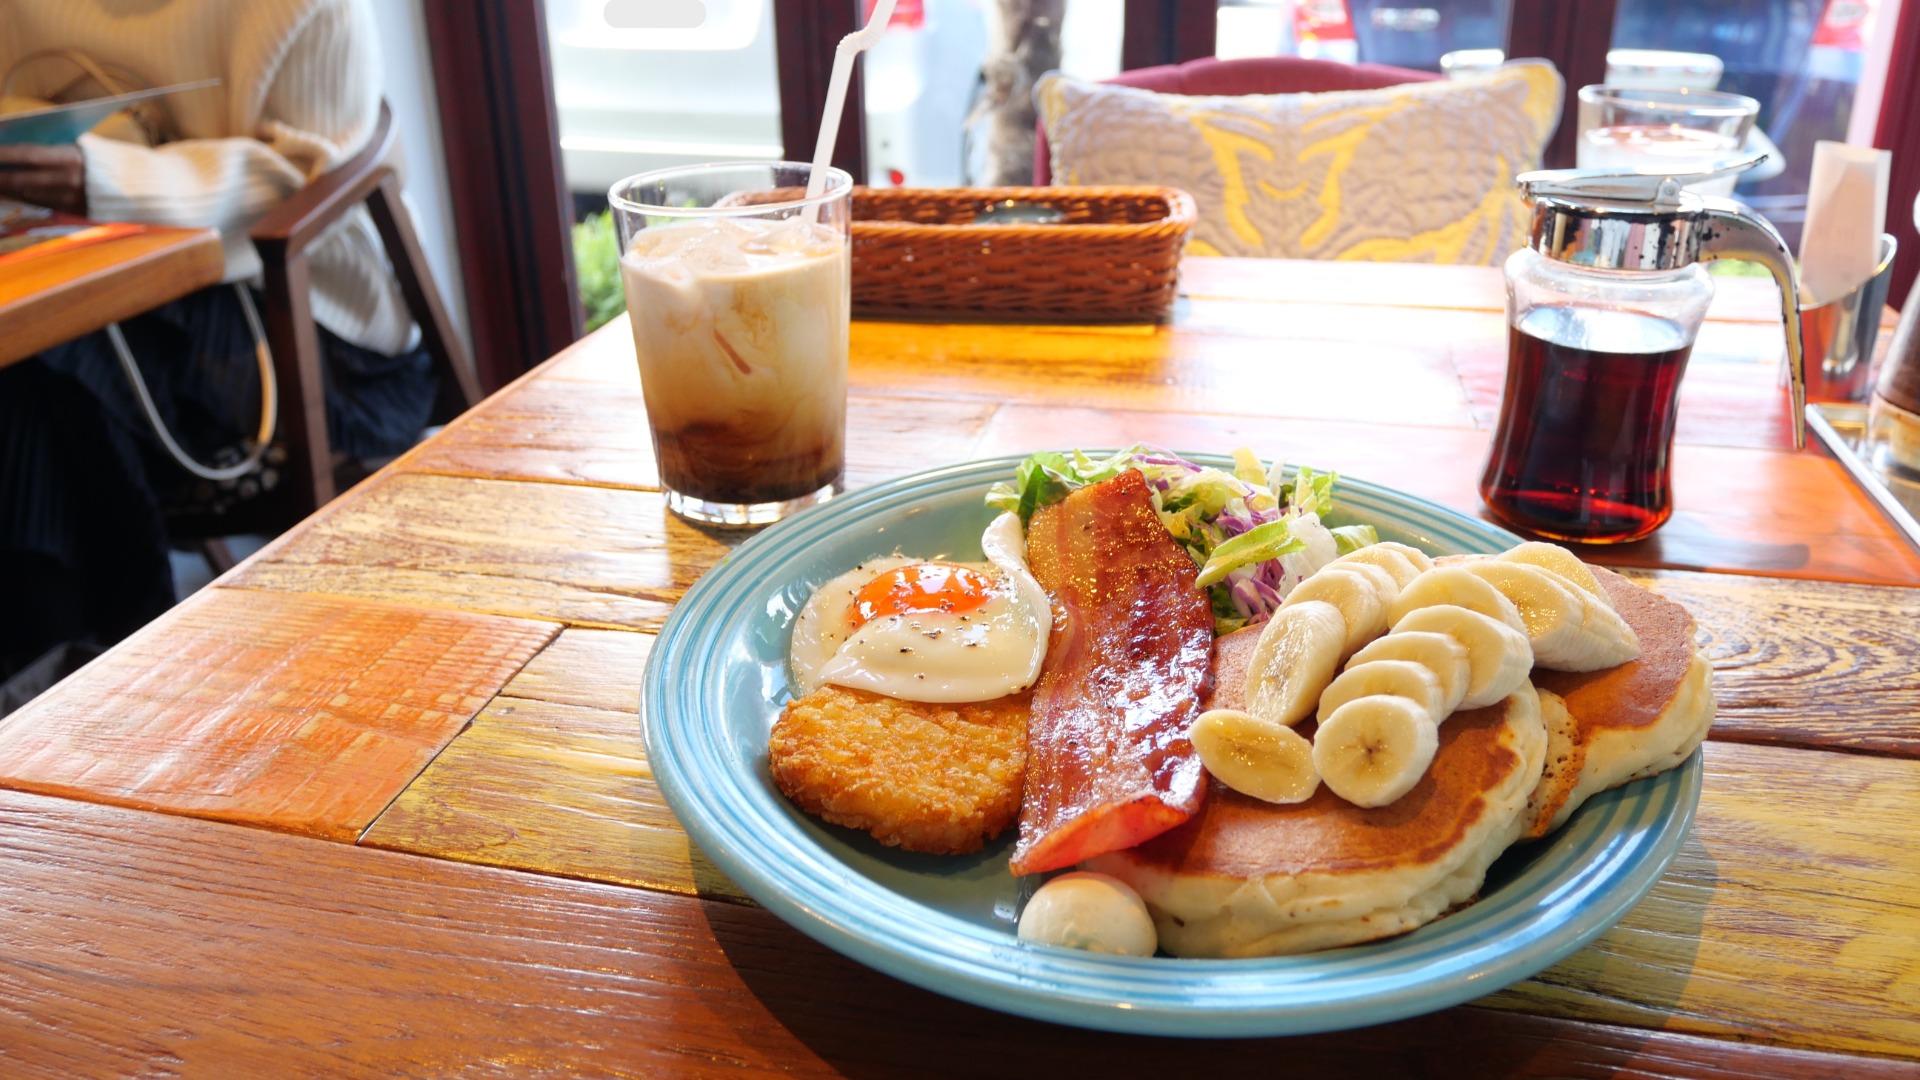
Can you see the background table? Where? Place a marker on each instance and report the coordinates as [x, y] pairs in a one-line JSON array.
[[49, 299], [377, 801]]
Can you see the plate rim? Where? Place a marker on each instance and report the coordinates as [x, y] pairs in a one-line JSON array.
[[1027, 983]]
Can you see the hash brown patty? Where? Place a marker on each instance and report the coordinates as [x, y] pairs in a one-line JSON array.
[[942, 779]]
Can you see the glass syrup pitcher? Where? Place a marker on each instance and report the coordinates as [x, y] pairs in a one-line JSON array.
[[1602, 309]]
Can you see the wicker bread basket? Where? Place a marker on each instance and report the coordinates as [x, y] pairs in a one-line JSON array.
[[1116, 256]]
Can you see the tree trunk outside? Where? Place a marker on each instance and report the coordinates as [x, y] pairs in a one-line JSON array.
[[1029, 46]]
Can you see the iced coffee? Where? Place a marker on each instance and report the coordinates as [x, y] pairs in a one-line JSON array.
[[740, 328]]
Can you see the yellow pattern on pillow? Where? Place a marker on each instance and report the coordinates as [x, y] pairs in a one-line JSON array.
[[1416, 173]]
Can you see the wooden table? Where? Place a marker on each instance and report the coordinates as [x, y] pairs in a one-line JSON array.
[[377, 802], [49, 299]]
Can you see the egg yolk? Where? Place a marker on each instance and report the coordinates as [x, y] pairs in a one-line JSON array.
[[921, 587]]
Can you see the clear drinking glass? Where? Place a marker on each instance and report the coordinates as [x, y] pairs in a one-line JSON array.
[[1679, 129], [739, 291]]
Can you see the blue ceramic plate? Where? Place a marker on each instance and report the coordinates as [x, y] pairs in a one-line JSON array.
[[717, 680]]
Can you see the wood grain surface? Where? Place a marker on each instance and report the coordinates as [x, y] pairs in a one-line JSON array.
[[588, 556], [577, 433], [555, 789], [1423, 285], [293, 957], [552, 777], [297, 712], [595, 669], [566, 790], [1401, 396], [1736, 509], [48, 299], [1803, 663], [1788, 917], [325, 674]]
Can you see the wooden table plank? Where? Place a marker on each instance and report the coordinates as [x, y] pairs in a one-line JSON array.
[[1738, 510], [569, 432], [1788, 917], [1740, 507], [587, 556], [49, 299], [565, 790], [555, 789], [149, 943], [553, 777], [1807, 663], [594, 669], [291, 957], [1423, 285], [1402, 379], [296, 712]]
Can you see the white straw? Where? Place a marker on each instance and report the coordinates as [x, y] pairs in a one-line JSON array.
[[850, 46]]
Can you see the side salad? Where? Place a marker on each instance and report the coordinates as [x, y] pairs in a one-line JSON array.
[[1253, 534]]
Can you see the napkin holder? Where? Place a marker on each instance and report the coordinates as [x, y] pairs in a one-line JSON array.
[[1839, 335]]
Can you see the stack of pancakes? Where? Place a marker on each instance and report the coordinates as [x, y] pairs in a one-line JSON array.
[[1249, 878]]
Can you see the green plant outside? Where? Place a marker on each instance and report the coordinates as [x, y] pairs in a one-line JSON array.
[[596, 263]]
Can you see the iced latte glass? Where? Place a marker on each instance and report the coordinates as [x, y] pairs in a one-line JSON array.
[[738, 288]]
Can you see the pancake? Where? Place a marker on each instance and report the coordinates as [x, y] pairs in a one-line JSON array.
[[1606, 728], [1248, 878]]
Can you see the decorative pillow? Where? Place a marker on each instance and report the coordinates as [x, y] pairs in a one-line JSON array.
[[1421, 172]]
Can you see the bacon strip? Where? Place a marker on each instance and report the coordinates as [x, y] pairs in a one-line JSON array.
[[1108, 761]]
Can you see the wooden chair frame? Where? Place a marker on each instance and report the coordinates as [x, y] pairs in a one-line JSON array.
[[282, 238]]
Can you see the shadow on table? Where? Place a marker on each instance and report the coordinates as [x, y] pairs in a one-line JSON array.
[[859, 1023], [1638, 971]]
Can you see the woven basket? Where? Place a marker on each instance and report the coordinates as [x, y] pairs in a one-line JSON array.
[[1116, 256]]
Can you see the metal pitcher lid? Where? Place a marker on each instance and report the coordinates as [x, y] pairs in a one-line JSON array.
[[1622, 218]]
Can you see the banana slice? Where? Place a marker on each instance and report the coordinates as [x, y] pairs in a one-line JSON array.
[[1258, 758], [1456, 586], [1621, 644], [1567, 629], [1498, 656], [1386, 558], [1397, 678], [1421, 560], [1359, 591], [1438, 653], [1374, 749], [1558, 560], [1294, 660]]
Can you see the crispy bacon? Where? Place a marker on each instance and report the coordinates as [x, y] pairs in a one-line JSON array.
[[1108, 761]]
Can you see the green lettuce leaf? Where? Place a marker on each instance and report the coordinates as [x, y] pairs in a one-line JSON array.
[[1256, 545], [1048, 476], [1312, 490], [1349, 538]]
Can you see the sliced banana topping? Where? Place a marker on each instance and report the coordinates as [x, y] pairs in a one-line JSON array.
[[1389, 557], [1395, 678], [1374, 749], [1568, 629], [1462, 636], [1258, 758], [1445, 657], [1360, 592], [1294, 660], [1421, 561], [1560, 561], [1455, 585], [1498, 656]]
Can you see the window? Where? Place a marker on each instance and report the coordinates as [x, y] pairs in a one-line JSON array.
[[1404, 33], [928, 99], [638, 87], [1801, 59]]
